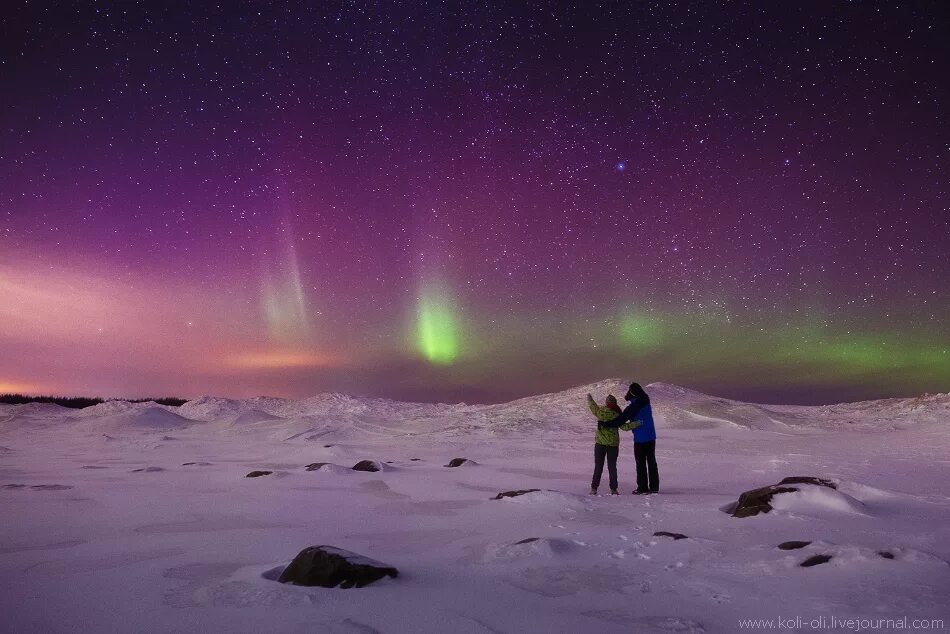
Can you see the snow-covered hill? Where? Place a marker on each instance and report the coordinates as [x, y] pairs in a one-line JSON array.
[[675, 407]]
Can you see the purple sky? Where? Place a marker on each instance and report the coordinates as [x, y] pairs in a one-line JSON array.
[[465, 201]]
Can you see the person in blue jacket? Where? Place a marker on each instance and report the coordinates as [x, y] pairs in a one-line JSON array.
[[644, 438]]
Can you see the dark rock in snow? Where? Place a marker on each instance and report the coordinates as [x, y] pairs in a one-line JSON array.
[[314, 466], [50, 487], [458, 462], [148, 470], [92, 466], [885, 554], [13, 486], [675, 536], [809, 480], [528, 540], [758, 500], [257, 474], [814, 560], [200, 464], [415, 459], [329, 567], [512, 494], [367, 465], [327, 446], [792, 545]]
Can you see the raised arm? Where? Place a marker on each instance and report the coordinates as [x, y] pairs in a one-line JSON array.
[[602, 413]]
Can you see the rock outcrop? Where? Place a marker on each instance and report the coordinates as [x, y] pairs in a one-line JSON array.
[[368, 465], [758, 500], [792, 545], [512, 494], [815, 560], [675, 536], [329, 567]]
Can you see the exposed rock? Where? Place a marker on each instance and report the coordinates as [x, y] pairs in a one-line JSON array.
[[814, 560], [675, 536], [809, 480], [415, 459], [92, 466], [39, 487], [367, 465], [527, 540], [200, 464], [329, 567], [512, 494], [885, 554], [458, 462], [148, 470], [313, 466], [792, 545], [327, 446], [758, 500], [257, 474]]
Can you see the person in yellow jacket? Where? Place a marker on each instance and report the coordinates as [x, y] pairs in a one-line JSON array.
[[607, 441]]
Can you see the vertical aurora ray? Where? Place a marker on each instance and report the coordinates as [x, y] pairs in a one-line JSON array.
[[283, 301], [437, 327]]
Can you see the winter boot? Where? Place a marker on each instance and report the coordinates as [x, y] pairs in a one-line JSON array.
[[614, 492], [593, 491]]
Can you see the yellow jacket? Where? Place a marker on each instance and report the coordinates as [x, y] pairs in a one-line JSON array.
[[606, 435]]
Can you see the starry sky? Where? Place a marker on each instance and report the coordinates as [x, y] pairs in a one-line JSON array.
[[474, 201]]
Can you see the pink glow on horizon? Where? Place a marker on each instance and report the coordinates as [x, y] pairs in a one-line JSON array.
[[86, 332]]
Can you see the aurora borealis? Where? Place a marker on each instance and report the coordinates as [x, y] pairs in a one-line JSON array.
[[474, 201]]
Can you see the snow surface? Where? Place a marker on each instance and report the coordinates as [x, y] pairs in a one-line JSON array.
[[90, 544]]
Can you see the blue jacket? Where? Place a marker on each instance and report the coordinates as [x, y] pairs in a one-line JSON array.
[[640, 410]]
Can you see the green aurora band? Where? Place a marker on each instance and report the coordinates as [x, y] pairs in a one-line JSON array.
[[437, 328]]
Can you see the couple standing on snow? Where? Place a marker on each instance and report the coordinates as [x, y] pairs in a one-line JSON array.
[[636, 417]]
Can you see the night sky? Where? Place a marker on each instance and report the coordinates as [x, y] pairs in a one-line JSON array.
[[474, 201]]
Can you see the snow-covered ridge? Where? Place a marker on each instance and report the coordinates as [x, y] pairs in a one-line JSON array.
[[674, 406]]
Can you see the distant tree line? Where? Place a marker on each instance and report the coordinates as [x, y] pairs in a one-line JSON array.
[[79, 402]]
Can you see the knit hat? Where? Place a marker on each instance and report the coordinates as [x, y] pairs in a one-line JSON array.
[[611, 403]]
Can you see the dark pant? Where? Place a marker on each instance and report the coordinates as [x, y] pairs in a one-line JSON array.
[[644, 453], [610, 453]]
